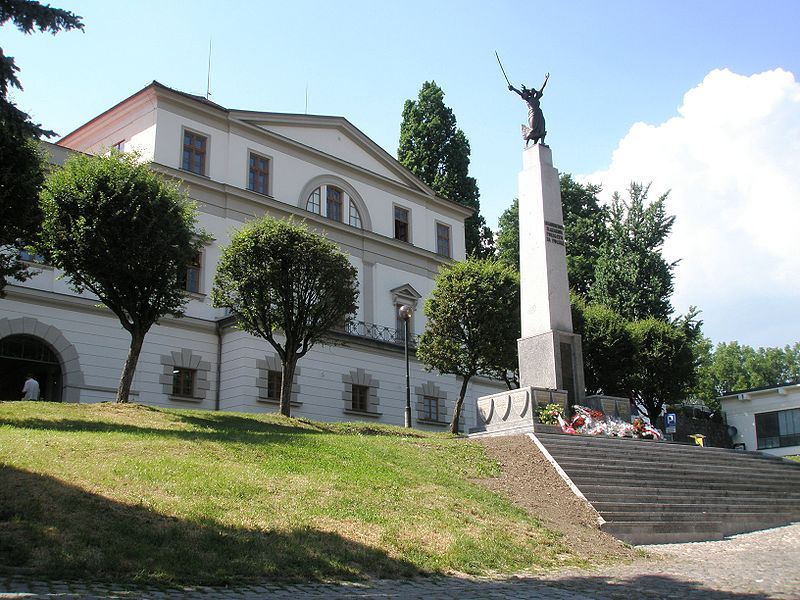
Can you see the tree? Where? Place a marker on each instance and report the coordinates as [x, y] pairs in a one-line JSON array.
[[584, 232], [732, 366], [508, 236], [609, 352], [122, 232], [21, 176], [632, 276], [277, 276], [663, 367], [437, 152], [471, 328], [28, 16], [21, 172]]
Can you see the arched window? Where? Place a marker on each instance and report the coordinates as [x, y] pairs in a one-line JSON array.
[[355, 216], [313, 203], [336, 202]]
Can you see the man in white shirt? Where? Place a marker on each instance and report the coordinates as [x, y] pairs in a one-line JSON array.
[[30, 391]]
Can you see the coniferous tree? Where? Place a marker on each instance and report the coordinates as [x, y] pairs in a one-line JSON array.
[[631, 275], [21, 173], [436, 151]]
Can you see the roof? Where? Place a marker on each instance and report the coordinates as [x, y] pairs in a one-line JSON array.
[[762, 388], [289, 118]]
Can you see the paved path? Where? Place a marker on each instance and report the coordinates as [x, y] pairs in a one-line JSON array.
[[756, 565]]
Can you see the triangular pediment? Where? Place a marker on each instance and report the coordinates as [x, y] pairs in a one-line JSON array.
[[335, 137], [405, 292]]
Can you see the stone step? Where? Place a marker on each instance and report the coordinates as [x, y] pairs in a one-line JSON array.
[[650, 471], [694, 455], [686, 482], [723, 505], [702, 458], [735, 517], [651, 451], [649, 445], [610, 493], [662, 492]]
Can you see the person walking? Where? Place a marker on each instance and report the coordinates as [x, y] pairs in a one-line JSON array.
[[30, 391]]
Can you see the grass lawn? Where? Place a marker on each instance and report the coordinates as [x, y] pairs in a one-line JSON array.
[[133, 493]]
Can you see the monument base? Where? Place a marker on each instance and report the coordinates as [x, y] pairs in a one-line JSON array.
[[552, 360], [514, 412]]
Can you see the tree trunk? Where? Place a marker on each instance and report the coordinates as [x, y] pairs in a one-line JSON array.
[[286, 384], [459, 405], [124, 389]]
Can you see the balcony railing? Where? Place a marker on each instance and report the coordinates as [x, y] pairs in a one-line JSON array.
[[379, 333]]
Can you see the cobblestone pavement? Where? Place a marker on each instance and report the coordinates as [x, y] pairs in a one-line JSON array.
[[756, 565]]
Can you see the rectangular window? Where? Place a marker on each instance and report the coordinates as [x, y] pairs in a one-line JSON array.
[[191, 279], [194, 152], [183, 382], [400, 224], [360, 398], [274, 381], [258, 178], [334, 203], [430, 408], [443, 240], [778, 429]]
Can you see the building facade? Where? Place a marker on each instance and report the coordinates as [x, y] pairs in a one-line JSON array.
[[238, 165], [766, 419]]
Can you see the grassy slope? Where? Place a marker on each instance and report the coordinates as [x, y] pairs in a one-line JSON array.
[[136, 493]]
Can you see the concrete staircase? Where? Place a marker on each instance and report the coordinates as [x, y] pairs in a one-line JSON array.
[[661, 492]]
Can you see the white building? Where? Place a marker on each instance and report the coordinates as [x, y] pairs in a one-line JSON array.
[[238, 165], [766, 419]]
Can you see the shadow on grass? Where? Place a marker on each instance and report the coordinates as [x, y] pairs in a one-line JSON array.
[[54, 530], [226, 428]]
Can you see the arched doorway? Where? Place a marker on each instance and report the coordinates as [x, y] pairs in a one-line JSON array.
[[23, 354]]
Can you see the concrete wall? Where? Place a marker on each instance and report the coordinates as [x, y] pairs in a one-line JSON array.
[[740, 411]]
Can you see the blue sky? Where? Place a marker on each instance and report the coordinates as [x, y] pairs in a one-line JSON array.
[[613, 64]]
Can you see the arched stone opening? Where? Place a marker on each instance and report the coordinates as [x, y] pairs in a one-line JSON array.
[[23, 355], [30, 346]]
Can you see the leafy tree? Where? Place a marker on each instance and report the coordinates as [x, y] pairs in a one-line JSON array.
[[609, 352], [122, 232], [732, 366], [632, 276], [508, 236], [28, 16], [437, 152], [20, 160], [664, 366], [280, 279], [469, 329], [21, 176], [584, 231]]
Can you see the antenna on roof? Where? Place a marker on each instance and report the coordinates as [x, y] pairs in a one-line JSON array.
[[208, 79], [306, 98]]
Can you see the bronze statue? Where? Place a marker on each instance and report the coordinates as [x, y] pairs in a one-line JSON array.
[[535, 130]]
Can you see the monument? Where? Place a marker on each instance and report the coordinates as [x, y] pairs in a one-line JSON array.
[[550, 355]]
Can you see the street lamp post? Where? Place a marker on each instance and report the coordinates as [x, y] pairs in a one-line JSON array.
[[405, 314]]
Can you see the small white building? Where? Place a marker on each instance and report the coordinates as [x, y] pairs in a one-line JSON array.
[[239, 165], [766, 419]]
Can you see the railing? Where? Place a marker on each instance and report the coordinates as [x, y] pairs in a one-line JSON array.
[[380, 333]]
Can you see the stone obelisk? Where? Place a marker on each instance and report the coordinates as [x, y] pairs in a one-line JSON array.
[[550, 354]]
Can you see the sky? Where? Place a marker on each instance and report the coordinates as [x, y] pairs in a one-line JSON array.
[[699, 98]]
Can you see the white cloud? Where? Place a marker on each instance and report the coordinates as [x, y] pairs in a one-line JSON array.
[[731, 158]]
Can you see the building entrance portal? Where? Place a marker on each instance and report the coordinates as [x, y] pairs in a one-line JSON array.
[[23, 354]]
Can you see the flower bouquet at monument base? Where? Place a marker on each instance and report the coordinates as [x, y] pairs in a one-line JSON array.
[[587, 421]]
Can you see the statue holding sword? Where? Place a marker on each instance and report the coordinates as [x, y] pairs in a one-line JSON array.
[[535, 130]]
